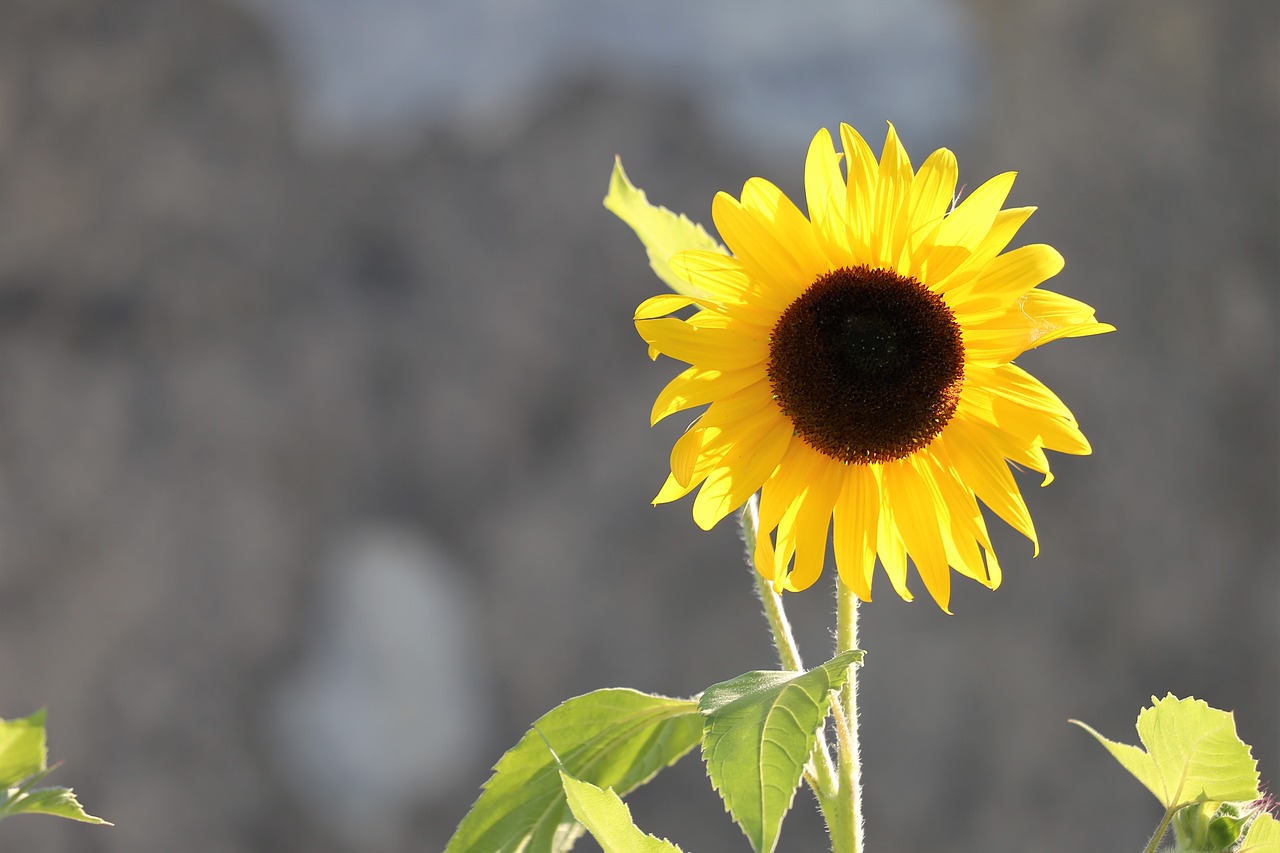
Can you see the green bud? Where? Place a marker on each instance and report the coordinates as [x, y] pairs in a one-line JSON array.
[[1191, 826], [1209, 827], [1225, 831]]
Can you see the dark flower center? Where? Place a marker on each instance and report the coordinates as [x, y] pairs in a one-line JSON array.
[[867, 364]]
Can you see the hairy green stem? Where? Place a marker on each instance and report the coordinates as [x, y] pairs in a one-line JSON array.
[[821, 772], [783, 640], [1154, 843], [846, 715]]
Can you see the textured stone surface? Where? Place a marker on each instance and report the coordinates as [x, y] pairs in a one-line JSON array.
[[221, 351]]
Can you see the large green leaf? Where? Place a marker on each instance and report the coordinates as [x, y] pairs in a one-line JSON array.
[[22, 748], [608, 819], [758, 732], [662, 232], [613, 738], [1263, 836], [23, 764], [1192, 754]]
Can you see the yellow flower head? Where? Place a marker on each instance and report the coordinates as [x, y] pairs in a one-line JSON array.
[[858, 364]]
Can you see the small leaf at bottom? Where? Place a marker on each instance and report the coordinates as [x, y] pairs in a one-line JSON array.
[[59, 802], [613, 738], [608, 819]]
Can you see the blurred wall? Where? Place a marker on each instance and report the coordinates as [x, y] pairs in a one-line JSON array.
[[265, 405]]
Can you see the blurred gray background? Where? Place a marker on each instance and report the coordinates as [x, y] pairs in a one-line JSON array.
[[324, 457]]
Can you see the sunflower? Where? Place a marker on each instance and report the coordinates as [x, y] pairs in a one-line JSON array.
[[857, 368]]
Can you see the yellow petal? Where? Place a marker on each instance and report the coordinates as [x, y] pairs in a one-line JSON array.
[[1031, 320], [1069, 318], [916, 511], [862, 167], [778, 213], [966, 227], [753, 401], [797, 469], [726, 279], [1017, 385], [989, 345], [1024, 406], [723, 424], [672, 490], [1003, 229], [812, 523], [857, 516], [763, 254], [763, 557], [667, 303], [742, 469], [890, 548], [933, 190], [982, 468], [749, 331], [963, 528], [893, 188], [685, 454], [824, 194], [990, 294], [720, 349], [785, 550], [697, 387], [1014, 439], [964, 554]]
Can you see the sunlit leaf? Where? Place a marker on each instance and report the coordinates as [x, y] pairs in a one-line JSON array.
[[1192, 754], [59, 802], [23, 765], [22, 748], [608, 819], [662, 232], [1263, 836], [614, 738], [759, 731]]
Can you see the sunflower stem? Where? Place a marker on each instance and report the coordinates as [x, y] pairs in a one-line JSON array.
[[821, 771], [783, 640], [846, 717], [1154, 843]]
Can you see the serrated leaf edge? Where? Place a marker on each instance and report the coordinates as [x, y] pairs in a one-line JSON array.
[[1147, 758], [637, 721], [832, 668], [613, 800], [615, 202]]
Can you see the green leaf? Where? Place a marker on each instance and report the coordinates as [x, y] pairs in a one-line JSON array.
[[59, 802], [662, 232], [23, 764], [1192, 754], [608, 819], [22, 748], [1263, 836], [758, 732], [614, 738]]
